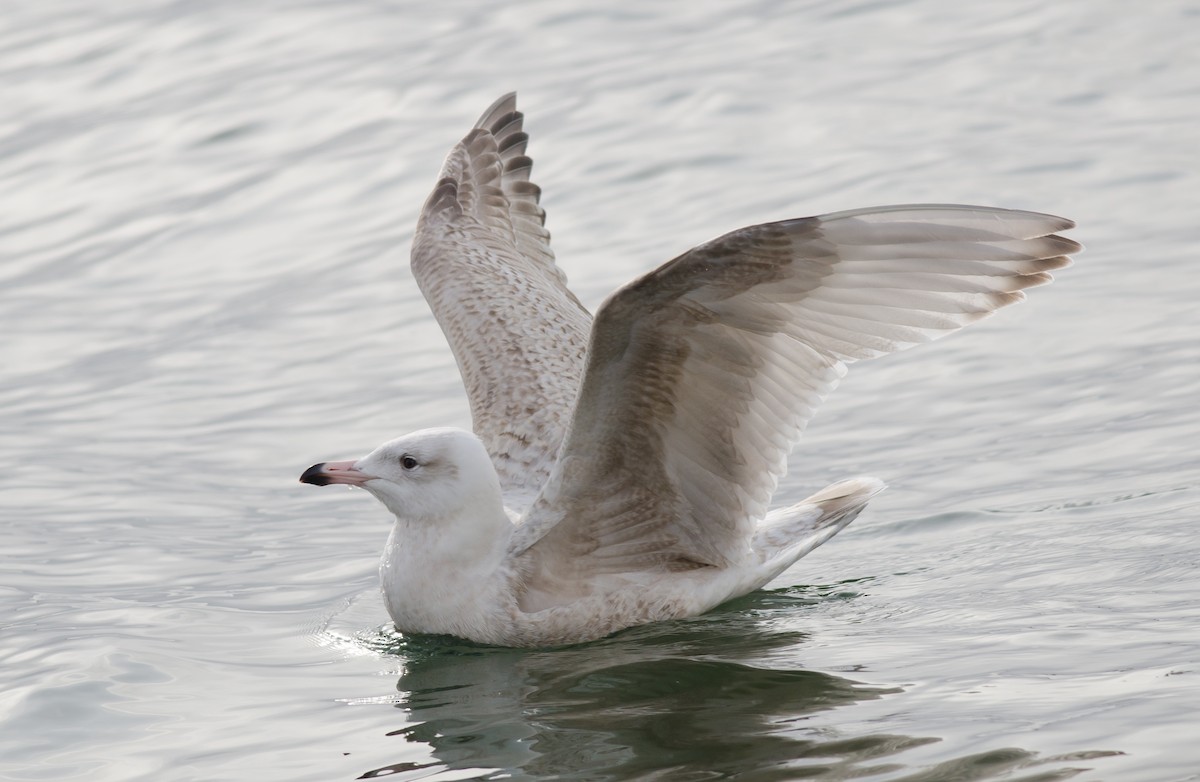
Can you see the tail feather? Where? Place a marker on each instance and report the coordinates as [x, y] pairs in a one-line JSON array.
[[788, 534], [845, 497]]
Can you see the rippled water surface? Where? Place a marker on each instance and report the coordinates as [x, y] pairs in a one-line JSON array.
[[204, 288]]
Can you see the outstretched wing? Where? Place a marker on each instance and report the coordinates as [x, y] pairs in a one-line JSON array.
[[482, 258], [702, 374]]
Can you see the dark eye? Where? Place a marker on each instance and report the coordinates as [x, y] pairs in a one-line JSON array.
[[408, 463]]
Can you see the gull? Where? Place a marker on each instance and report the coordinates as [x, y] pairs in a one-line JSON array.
[[621, 467]]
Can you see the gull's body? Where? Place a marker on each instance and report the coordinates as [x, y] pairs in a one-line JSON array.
[[620, 470]]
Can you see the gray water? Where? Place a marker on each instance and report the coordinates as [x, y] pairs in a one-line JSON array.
[[206, 213]]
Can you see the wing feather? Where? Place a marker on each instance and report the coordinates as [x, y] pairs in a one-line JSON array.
[[702, 375], [482, 258]]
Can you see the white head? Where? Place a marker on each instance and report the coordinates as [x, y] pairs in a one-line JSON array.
[[424, 476]]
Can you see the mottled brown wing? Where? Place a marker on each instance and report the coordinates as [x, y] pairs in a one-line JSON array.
[[482, 258], [702, 374]]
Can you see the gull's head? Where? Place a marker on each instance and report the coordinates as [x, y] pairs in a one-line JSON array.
[[429, 474]]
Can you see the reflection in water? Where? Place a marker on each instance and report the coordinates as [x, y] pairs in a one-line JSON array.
[[704, 697], [664, 698]]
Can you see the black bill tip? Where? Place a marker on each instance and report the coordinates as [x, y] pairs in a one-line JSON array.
[[316, 475]]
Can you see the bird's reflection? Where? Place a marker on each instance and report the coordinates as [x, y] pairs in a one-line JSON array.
[[717, 694]]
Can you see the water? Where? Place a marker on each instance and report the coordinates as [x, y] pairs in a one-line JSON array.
[[204, 289]]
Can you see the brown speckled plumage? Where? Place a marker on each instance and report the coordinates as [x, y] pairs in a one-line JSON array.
[[482, 258]]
